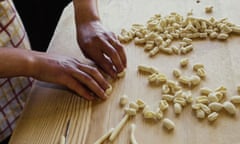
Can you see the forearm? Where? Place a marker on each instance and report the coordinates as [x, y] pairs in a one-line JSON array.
[[85, 11], [15, 62]]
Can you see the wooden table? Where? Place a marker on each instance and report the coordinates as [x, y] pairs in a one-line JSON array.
[[49, 108]]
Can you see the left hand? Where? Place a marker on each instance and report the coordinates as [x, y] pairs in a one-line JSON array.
[[101, 46]]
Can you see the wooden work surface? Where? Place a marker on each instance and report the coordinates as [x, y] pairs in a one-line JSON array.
[[49, 108]]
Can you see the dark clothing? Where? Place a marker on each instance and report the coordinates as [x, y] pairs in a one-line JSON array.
[[40, 18]]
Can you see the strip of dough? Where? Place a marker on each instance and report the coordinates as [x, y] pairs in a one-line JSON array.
[[118, 128], [104, 137], [132, 137]]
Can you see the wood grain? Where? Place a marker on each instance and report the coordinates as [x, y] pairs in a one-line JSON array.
[[49, 108]]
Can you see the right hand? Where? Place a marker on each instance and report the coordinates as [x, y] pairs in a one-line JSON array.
[[102, 46], [83, 79]]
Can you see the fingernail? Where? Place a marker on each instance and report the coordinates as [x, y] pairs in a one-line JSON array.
[[108, 91], [121, 74]]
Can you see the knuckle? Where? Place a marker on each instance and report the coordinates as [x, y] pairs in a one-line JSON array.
[[87, 78], [113, 35], [72, 85], [93, 71]]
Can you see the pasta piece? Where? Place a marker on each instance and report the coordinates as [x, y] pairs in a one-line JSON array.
[[109, 90], [168, 124], [230, 108], [147, 69], [104, 137], [215, 106], [209, 9], [123, 100], [184, 62], [118, 128], [213, 116], [132, 136], [121, 74]]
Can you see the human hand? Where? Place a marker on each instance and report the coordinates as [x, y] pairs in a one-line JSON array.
[[83, 79], [101, 46]]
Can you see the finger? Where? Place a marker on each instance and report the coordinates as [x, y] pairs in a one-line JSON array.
[[118, 46], [79, 89], [113, 55], [93, 72], [105, 64], [89, 82]]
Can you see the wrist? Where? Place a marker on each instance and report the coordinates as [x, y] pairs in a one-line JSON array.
[[31, 64], [85, 11], [16, 62]]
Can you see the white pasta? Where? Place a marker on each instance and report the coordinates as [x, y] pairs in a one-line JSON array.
[[203, 35], [180, 100], [62, 140], [130, 111], [118, 128], [195, 80], [121, 74], [159, 114], [200, 114], [212, 116], [196, 106], [172, 84], [236, 29], [168, 124], [175, 50], [109, 90], [189, 97], [167, 97], [222, 36], [157, 36], [177, 108], [149, 114], [154, 51], [213, 35], [184, 62], [238, 89], [197, 66], [185, 80], [221, 90], [159, 32], [132, 136], [205, 108], [187, 49], [147, 69], [187, 40], [215, 106], [235, 99], [104, 137], [205, 91], [133, 105], [123, 100], [166, 50], [153, 77], [209, 9], [140, 103], [163, 105], [229, 107], [202, 99], [179, 94], [139, 41], [219, 95], [176, 73], [165, 89], [212, 97]]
